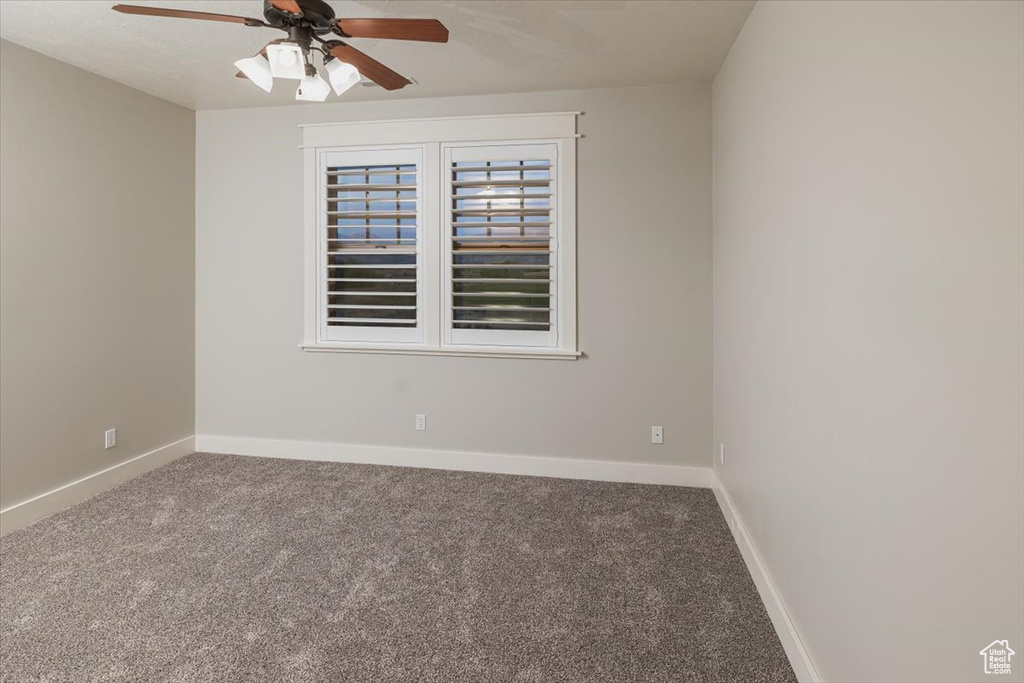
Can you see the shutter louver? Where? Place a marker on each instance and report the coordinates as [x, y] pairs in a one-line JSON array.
[[371, 251], [501, 245]]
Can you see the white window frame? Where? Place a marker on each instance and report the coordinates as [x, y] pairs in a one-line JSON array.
[[436, 139]]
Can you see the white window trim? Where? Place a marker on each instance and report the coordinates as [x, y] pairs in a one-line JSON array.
[[433, 136]]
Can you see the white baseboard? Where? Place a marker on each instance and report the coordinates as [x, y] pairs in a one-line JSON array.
[[537, 466], [26, 512], [792, 643]]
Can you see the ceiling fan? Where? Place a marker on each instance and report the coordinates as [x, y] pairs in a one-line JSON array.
[[305, 22]]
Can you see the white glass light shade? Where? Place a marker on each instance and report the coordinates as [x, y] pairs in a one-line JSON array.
[[257, 70], [342, 75], [286, 61], [313, 89]]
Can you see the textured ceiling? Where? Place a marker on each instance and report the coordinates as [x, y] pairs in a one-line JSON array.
[[496, 47]]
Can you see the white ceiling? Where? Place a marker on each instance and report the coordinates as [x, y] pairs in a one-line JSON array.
[[497, 46]]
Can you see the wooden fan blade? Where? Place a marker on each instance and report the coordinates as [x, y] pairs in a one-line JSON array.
[[428, 30], [185, 14], [370, 67], [287, 6]]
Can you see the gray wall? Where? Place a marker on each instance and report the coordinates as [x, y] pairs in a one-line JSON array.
[[96, 273], [644, 260], [869, 325]]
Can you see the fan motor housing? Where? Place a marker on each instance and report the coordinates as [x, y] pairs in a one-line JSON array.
[[316, 15]]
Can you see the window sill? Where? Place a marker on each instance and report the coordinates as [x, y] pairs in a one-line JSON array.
[[469, 352]]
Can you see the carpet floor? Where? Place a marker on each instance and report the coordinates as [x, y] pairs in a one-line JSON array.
[[228, 568]]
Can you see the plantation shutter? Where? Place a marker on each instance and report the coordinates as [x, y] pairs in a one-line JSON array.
[[502, 252], [371, 245]]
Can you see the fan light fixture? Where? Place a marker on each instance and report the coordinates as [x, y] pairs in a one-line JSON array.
[[286, 61], [313, 88], [341, 74], [291, 60], [257, 69]]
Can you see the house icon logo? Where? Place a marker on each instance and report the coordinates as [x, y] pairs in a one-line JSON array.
[[997, 657]]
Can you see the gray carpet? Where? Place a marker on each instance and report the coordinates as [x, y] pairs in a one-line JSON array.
[[227, 568]]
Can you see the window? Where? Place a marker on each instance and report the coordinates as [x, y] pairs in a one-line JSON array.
[[499, 221], [370, 247], [450, 236]]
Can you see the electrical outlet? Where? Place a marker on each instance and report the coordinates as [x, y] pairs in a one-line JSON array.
[[421, 423], [657, 435], [721, 454], [110, 438]]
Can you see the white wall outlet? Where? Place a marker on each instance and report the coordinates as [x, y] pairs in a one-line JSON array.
[[657, 435], [421, 423], [721, 454], [110, 438]]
